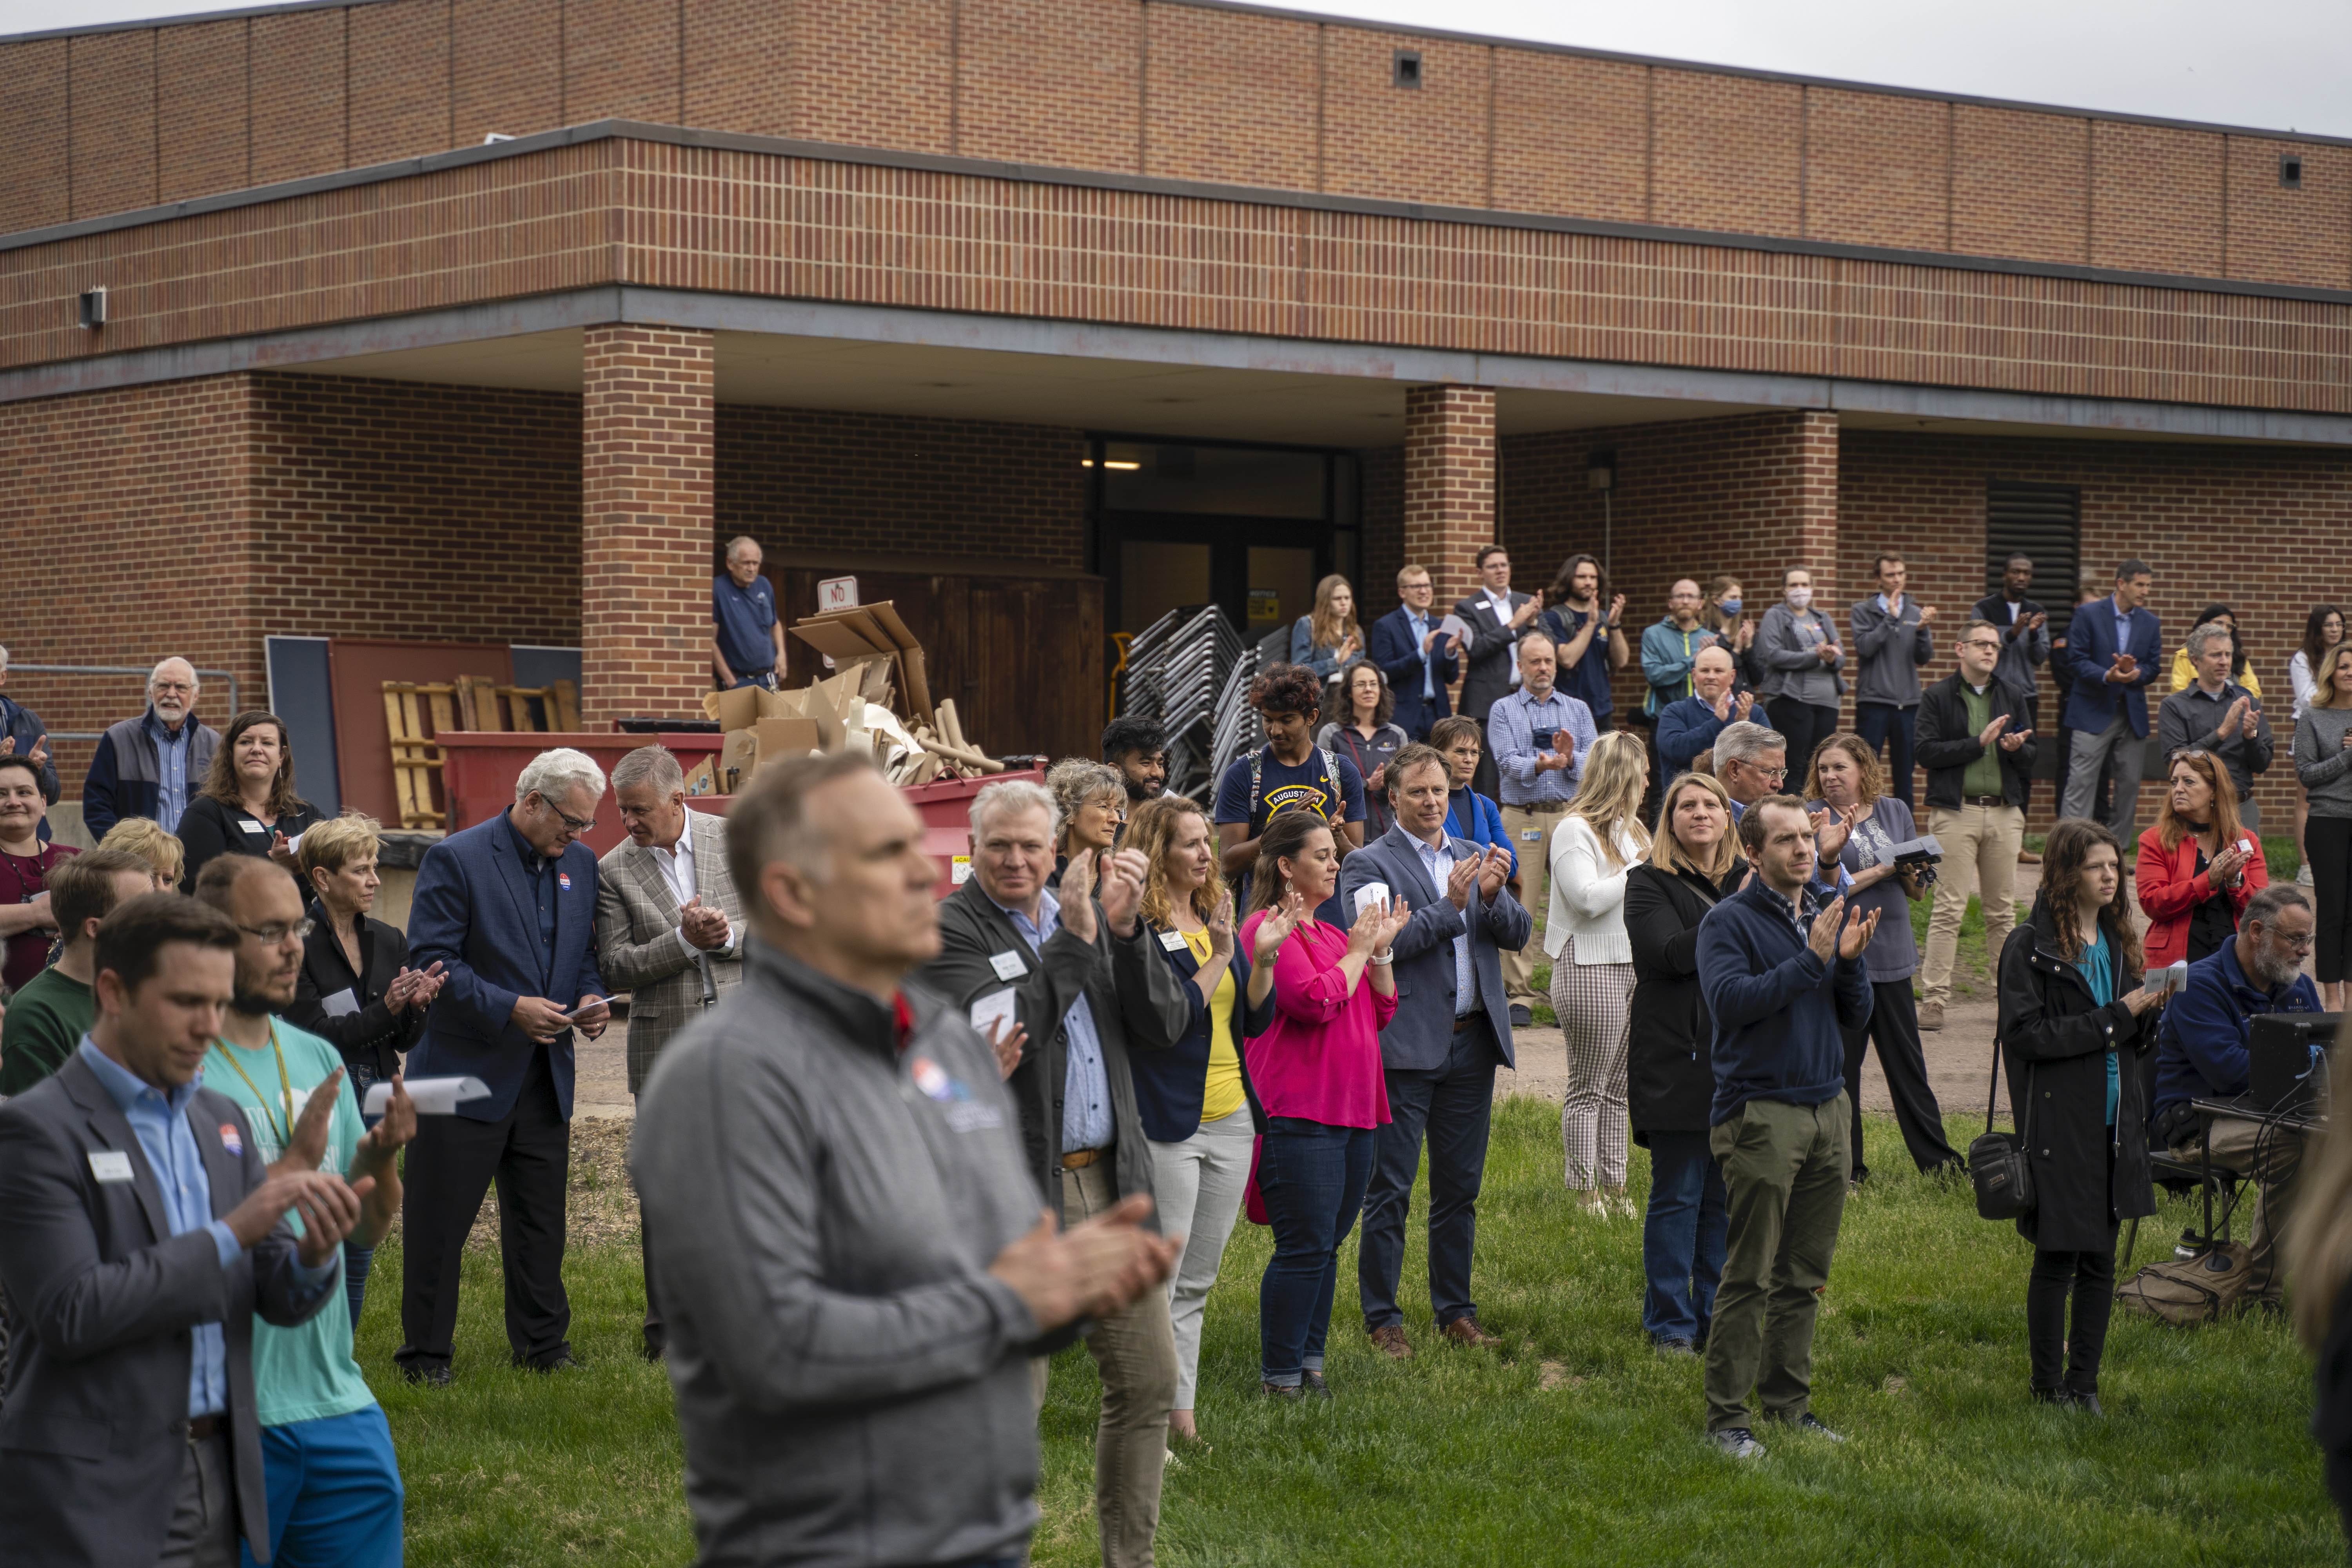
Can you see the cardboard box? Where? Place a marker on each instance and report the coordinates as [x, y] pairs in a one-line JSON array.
[[738, 759], [702, 778], [865, 631]]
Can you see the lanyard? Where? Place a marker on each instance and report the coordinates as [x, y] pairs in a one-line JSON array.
[[284, 1087]]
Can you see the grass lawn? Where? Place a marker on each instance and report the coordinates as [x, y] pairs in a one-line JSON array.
[[1575, 1444]]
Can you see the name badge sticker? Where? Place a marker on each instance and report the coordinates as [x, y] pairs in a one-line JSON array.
[[253, 827], [1531, 836], [1008, 966], [109, 1165], [1173, 940]]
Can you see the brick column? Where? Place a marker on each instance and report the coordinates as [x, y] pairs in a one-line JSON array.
[[647, 528], [1449, 487]]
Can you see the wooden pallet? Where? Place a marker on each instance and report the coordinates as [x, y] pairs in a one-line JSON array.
[[484, 704], [409, 708]]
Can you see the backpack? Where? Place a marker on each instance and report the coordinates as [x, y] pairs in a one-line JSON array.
[[2186, 1292], [1330, 782]]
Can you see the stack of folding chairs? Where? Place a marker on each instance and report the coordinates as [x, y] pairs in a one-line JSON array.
[[1190, 671]]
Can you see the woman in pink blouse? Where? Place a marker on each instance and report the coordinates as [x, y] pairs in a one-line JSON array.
[[1318, 1073]]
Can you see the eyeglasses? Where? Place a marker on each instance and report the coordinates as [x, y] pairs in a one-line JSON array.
[[1771, 775], [1982, 644], [270, 936], [2183, 753], [569, 821]]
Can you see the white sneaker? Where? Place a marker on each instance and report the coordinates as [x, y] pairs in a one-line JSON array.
[[2302, 875], [1738, 1443]]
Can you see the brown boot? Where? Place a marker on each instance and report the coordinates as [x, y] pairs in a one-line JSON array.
[[1465, 1331], [2027, 857], [1931, 1015], [1389, 1340]]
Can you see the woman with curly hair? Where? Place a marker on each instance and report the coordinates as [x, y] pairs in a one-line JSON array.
[[1089, 806], [1194, 1099], [2074, 1024], [1592, 847]]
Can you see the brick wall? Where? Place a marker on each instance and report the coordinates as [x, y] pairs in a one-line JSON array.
[[808, 482], [1744, 496], [647, 459], [1233, 97], [1449, 484]]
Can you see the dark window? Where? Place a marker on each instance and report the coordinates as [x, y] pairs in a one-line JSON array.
[[2045, 523], [2291, 170], [1406, 70]]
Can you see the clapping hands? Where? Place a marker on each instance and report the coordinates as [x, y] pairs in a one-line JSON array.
[[1282, 918]]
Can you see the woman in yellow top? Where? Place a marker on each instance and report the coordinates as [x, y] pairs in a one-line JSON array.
[[1198, 1110], [2242, 669]]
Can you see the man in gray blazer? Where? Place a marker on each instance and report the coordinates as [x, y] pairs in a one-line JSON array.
[[669, 926], [1452, 1028], [854, 1263], [1085, 979], [140, 1234]]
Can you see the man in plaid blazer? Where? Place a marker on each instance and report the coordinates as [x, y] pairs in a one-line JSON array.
[[668, 928]]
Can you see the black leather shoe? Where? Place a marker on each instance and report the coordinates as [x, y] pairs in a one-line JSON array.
[[432, 1374], [1522, 1017], [1312, 1380], [1282, 1391], [655, 1345], [2089, 1403], [560, 1361]]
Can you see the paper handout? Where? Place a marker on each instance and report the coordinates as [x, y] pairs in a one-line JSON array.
[[993, 1011], [432, 1096]]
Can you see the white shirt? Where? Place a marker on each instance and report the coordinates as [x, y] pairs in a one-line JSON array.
[[1437, 860], [677, 864]]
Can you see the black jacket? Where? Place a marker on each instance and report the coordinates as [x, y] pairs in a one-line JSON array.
[[369, 1035], [2054, 1042], [1170, 1084], [1137, 1002], [208, 830], [1946, 742], [1486, 655], [1670, 1073]]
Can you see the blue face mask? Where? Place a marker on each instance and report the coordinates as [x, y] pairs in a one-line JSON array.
[[1728, 607]]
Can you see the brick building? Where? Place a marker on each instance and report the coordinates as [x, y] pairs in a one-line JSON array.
[[1041, 316]]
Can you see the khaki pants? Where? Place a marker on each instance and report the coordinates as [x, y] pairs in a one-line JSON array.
[[1784, 1174], [2273, 1157], [1136, 1354], [1980, 845], [1535, 888]]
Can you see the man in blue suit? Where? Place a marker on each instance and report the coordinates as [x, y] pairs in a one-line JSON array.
[[1419, 660], [508, 909], [1451, 1029], [2111, 651]]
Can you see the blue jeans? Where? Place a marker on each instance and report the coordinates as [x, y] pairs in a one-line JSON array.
[[1312, 1178], [1887, 729], [1682, 1236], [335, 1493]]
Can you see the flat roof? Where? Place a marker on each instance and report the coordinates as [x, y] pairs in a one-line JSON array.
[[1409, 30]]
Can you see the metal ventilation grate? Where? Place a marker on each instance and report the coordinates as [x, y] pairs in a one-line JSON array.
[[2045, 522]]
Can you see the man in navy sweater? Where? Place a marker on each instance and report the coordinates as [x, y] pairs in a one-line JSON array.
[[1780, 989]]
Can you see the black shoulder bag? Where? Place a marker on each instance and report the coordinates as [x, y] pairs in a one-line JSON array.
[[1998, 1162]]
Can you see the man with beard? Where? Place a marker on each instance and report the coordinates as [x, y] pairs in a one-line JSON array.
[[146, 766], [1137, 748], [2202, 1053], [326, 1450]]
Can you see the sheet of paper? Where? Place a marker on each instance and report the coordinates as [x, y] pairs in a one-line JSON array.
[[432, 1096], [1372, 894], [992, 1012], [341, 1004], [1455, 626]]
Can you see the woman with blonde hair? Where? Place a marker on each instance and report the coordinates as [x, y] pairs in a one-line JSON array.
[[1199, 1112], [144, 837], [1856, 826], [1089, 806], [1329, 640], [1669, 1065], [1593, 846]]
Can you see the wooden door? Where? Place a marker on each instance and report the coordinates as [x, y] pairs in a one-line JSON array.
[[1033, 680], [933, 606]]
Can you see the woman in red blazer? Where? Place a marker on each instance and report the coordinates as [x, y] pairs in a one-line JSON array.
[[2197, 868]]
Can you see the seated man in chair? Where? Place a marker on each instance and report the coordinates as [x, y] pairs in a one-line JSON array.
[[2202, 1053]]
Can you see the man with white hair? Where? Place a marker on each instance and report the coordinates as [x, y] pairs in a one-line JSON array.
[[669, 929], [1081, 975], [22, 734], [148, 766], [1751, 763], [747, 642], [508, 909]]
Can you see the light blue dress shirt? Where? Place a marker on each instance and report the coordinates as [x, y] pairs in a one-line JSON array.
[[1510, 735], [1085, 1084], [159, 1122], [1437, 860], [1421, 640], [170, 769]]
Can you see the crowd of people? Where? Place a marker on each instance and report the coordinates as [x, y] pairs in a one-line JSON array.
[[895, 1152]]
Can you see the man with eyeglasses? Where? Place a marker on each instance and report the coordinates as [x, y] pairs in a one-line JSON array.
[[1976, 741], [148, 766], [1751, 763], [2201, 1053], [332, 1480], [2218, 715], [508, 909]]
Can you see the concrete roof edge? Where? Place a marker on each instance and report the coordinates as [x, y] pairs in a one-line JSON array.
[[1447, 35], [1040, 173]]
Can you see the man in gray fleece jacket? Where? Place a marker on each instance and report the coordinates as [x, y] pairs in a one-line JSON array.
[[861, 1268], [1892, 641]]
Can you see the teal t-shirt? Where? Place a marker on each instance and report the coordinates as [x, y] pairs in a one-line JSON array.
[[2098, 966], [306, 1373]]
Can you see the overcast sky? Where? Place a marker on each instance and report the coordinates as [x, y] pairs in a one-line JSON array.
[[2277, 64]]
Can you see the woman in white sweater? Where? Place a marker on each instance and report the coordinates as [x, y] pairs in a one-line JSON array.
[[1592, 847]]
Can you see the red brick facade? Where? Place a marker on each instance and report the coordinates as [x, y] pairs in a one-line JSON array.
[[645, 483], [1449, 483], [102, 122]]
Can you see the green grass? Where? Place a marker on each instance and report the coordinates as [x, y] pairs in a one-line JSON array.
[[1576, 1443]]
